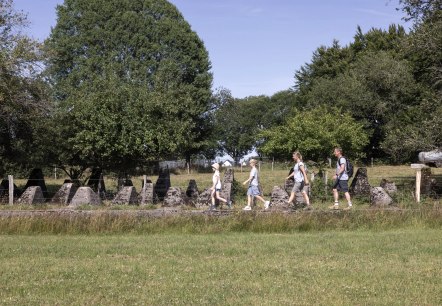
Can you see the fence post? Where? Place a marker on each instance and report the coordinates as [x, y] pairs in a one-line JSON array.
[[143, 192], [325, 181], [418, 168], [11, 189]]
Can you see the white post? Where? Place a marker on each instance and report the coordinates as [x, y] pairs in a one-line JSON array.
[[143, 193], [273, 161], [55, 172], [11, 189], [372, 162], [418, 168]]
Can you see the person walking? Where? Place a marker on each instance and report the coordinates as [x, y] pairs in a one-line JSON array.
[[340, 180], [253, 189], [301, 180], [216, 188]]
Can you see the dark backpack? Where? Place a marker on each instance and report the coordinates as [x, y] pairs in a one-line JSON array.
[[348, 167]]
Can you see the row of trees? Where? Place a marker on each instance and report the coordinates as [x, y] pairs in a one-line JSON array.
[[121, 83], [379, 96]]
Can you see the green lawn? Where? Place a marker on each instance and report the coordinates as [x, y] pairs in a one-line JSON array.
[[401, 266]]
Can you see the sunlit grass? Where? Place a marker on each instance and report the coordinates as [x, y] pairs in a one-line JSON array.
[[364, 267]]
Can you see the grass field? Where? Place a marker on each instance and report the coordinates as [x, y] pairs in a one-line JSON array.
[[366, 267], [360, 257]]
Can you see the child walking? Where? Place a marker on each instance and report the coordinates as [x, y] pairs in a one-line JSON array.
[[301, 180], [216, 188], [253, 190]]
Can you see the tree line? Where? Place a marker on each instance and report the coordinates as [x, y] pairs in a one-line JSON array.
[[120, 84]]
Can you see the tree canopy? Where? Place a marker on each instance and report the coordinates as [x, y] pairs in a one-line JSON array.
[[22, 92], [124, 82], [315, 133], [131, 80]]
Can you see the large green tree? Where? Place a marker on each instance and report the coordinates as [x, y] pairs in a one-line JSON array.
[[376, 90], [315, 133], [132, 83], [421, 129], [22, 94], [373, 79]]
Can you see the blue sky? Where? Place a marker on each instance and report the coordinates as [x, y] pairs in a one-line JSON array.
[[256, 46]]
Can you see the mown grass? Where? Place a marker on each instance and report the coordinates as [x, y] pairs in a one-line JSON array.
[[364, 267]]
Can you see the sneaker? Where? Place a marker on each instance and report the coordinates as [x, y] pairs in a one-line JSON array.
[[334, 206], [308, 207], [247, 208], [229, 204], [349, 207], [266, 204], [211, 207]]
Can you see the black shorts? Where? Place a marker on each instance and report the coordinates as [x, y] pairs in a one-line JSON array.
[[341, 186]]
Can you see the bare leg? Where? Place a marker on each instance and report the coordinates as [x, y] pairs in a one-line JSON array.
[[260, 198], [347, 196], [292, 197], [335, 195], [220, 198], [213, 197], [249, 200], [305, 195]]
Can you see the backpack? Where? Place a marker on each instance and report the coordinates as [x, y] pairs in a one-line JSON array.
[[348, 167]]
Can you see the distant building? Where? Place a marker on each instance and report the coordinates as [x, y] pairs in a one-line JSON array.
[[227, 163]]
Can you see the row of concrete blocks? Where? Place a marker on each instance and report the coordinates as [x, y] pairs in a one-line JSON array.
[[72, 196]]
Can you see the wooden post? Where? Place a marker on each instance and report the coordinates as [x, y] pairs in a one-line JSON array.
[[326, 180], [418, 168], [11, 189], [143, 191]]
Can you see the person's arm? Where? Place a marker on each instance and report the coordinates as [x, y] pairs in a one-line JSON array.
[[252, 175], [291, 175]]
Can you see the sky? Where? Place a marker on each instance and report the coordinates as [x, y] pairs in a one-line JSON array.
[[256, 46]]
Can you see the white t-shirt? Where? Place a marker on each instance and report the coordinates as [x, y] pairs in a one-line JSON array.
[[344, 175], [216, 180], [298, 176], [254, 173]]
